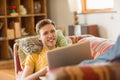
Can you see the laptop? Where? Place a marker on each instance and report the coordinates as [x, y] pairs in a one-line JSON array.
[[70, 55]]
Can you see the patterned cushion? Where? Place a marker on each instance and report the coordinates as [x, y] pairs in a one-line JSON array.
[[21, 56], [98, 45], [29, 44]]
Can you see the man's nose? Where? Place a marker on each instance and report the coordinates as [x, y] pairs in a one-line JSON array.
[[50, 35]]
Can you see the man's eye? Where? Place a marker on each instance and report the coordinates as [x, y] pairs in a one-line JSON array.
[[52, 31], [45, 33]]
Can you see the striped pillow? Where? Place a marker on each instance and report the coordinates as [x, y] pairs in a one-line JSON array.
[[98, 45]]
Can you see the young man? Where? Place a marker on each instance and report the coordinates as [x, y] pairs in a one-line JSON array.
[[36, 64]]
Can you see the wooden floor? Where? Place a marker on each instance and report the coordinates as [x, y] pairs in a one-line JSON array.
[[7, 70], [7, 74]]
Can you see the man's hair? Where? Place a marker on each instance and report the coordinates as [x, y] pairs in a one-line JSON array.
[[42, 23]]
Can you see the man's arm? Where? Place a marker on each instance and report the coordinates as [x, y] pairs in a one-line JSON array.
[[29, 75]]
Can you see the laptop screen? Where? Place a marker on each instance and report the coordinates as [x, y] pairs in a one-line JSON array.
[[70, 55]]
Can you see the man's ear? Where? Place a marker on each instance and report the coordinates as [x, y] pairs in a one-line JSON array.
[[39, 37]]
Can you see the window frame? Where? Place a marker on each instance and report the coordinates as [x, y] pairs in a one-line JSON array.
[[85, 10]]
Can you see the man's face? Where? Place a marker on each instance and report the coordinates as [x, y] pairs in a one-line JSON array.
[[47, 35]]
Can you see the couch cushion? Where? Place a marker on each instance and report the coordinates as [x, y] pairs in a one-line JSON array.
[[29, 44], [62, 40], [98, 45]]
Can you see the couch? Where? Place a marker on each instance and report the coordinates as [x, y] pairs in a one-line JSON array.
[[106, 71], [100, 71]]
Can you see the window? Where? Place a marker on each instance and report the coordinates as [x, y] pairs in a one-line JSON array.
[[91, 6]]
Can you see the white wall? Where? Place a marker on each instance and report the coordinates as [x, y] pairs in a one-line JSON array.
[[109, 23], [58, 11]]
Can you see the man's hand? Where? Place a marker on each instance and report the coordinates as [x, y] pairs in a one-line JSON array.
[[44, 70]]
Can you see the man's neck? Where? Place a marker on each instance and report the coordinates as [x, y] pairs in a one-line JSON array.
[[49, 48]]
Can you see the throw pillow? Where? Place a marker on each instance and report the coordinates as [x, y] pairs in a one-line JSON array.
[[62, 40], [30, 44], [98, 45], [27, 46]]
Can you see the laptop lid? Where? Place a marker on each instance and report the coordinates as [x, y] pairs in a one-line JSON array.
[[70, 55]]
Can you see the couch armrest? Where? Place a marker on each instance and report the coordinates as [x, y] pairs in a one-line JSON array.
[[17, 66], [109, 71]]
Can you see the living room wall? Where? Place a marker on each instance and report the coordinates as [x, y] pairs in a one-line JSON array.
[[109, 23]]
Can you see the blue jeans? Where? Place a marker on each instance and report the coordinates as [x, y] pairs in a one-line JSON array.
[[112, 54]]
